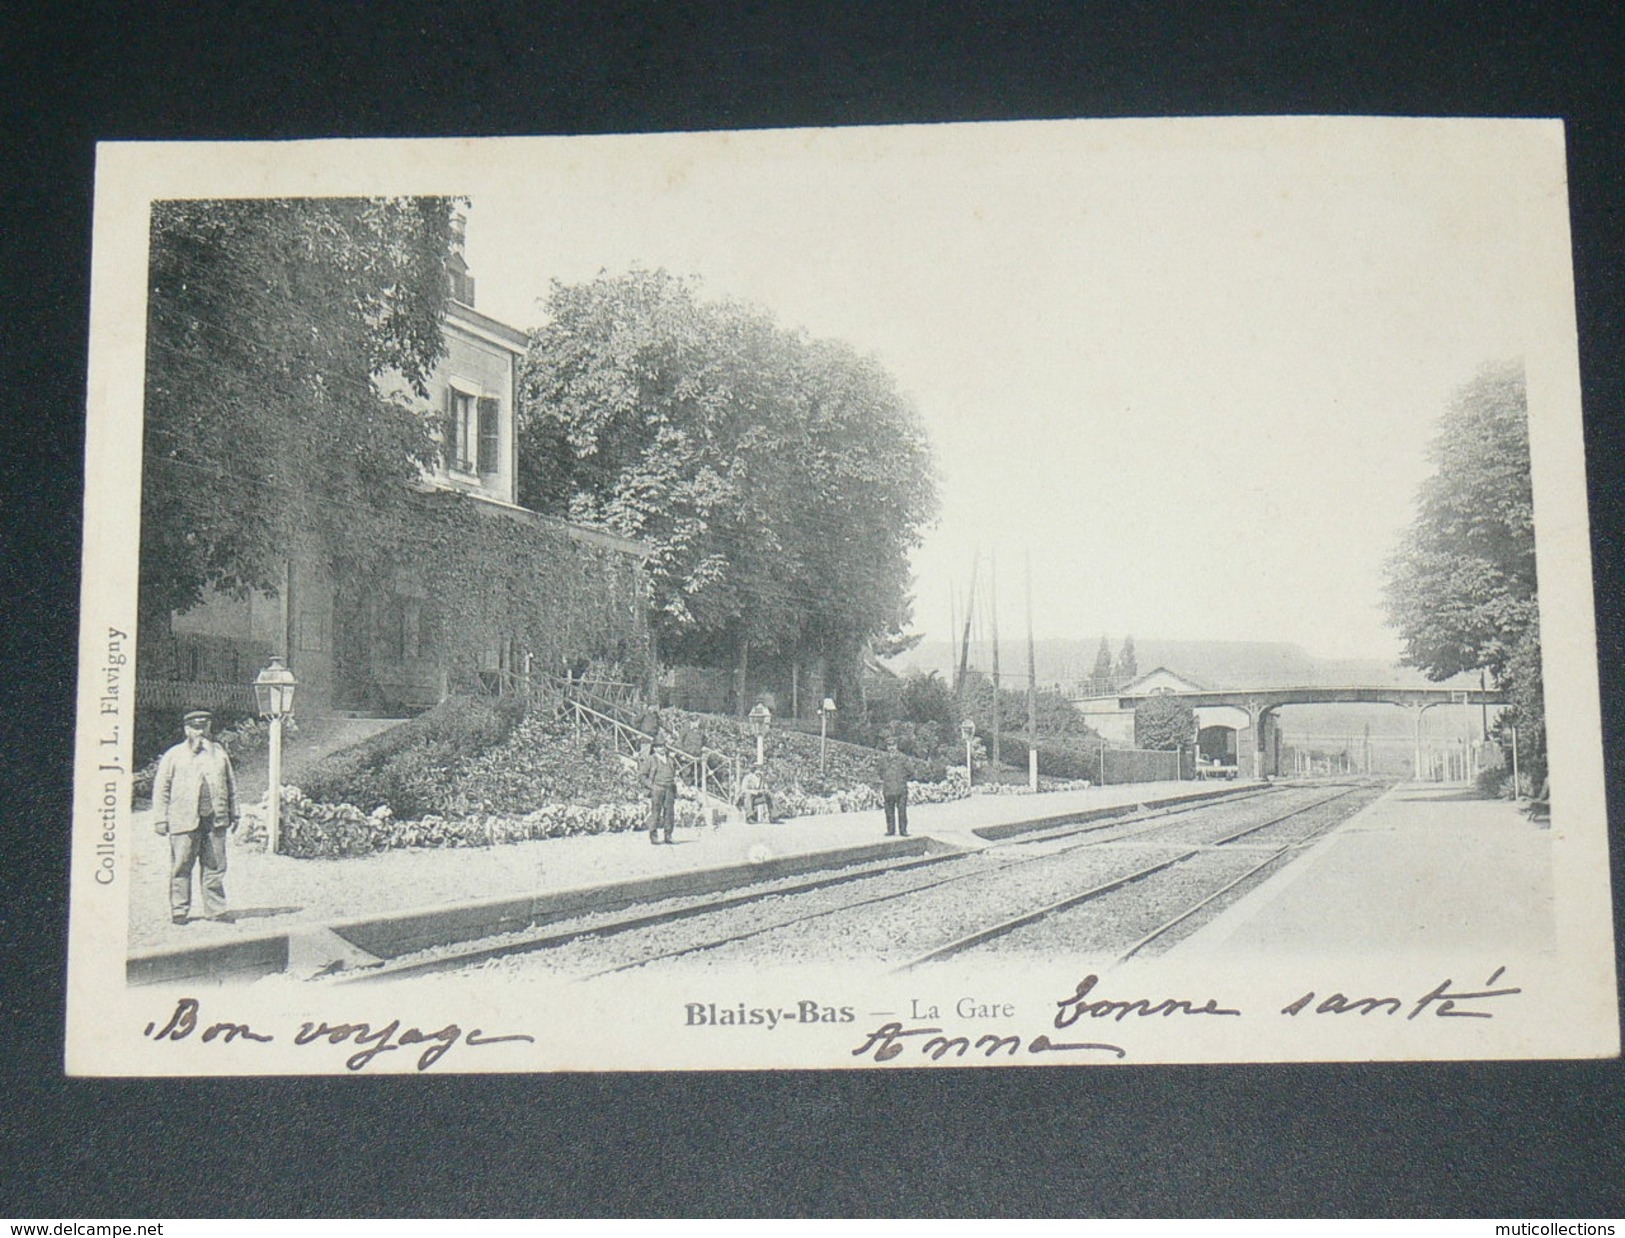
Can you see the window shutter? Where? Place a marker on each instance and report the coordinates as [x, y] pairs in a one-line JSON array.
[[490, 443], [448, 450]]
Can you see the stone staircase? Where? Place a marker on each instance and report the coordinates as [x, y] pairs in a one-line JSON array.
[[712, 774]]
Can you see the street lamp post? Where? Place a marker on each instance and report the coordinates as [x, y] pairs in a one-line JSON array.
[[1517, 784], [273, 694], [825, 712], [761, 717], [967, 728]]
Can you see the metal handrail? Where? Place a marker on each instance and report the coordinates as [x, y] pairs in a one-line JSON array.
[[695, 766], [611, 692]]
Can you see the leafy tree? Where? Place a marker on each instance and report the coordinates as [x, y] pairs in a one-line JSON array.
[[1164, 721], [1068, 746], [1103, 663], [1127, 667], [927, 699], [1525, 688], [780, 481], [1461, 587], [285, 339], [918, 711], [1056, 715]]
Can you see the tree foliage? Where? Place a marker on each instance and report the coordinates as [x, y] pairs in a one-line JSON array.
[[269, 323], [1128, 666], [1102, 671], [918, 710], [1164, 721], [780, 480], [1056, 714], [1068, 747], [1461, 587]]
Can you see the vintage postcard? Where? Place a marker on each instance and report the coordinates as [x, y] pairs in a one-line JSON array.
[[1067, 593]]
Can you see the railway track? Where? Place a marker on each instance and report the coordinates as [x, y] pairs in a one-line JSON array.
[[768, 919], [1005, 928]]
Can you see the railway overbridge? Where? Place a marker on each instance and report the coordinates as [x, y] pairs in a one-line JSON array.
[[1259, 743]]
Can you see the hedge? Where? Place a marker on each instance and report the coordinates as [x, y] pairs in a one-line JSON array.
[[315, 830], [412, 768]]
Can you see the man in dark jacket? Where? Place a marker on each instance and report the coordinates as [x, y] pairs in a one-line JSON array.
[[660, 774], [194, 802], [894, 789]]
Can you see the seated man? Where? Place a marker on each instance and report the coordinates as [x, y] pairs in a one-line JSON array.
[[753, 794], [1540, 808]]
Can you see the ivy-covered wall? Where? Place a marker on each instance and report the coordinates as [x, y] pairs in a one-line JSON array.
[[464, 595], [440, 594]]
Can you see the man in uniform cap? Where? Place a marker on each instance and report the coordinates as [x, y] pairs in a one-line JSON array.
[[660, 776], [194, 801], [894, 789]]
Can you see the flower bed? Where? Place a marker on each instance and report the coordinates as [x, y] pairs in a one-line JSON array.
[[542, 761], [312, 830], [413, 768], [547, 779]]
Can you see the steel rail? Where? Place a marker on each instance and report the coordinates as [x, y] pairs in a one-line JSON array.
[[549, 939], [807, 917], [1223, 890], [1157, 816], [992, 932], [1151, 821], [546, 939]]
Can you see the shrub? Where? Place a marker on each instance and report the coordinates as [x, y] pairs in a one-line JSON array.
[[158, 727], [1164, 721], [1494, 783], [312, 830], [412, 768], [1057, 758], [544, 761]]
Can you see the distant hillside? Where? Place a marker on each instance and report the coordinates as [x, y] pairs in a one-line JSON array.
[[1213, 664], [1230, 664]]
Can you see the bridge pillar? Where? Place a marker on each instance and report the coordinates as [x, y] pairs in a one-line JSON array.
[[1250, 744], [1416, 727]]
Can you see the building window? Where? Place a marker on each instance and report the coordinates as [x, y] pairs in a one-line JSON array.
[[473, 433], [490, 445], [400, 629], [462, 285], [460, 431]]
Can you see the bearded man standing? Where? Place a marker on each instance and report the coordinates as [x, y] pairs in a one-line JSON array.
[[194, 801]]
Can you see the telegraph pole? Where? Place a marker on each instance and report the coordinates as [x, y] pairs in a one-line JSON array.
[[1032, 685], [964, 644], [993, 605]]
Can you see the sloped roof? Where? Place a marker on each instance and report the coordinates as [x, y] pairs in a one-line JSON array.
[[1137, 686]]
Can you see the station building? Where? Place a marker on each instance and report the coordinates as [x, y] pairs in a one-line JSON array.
[[383, 649], [1223, 731]]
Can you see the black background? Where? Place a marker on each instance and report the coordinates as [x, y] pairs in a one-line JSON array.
[[1545, 1140]]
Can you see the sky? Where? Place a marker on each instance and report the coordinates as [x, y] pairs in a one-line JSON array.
[[1188, 370]]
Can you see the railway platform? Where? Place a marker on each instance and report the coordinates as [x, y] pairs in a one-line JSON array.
[[1424, 868], [283, 906]]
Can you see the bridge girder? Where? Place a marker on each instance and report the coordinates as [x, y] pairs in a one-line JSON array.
[[1257, 701]]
